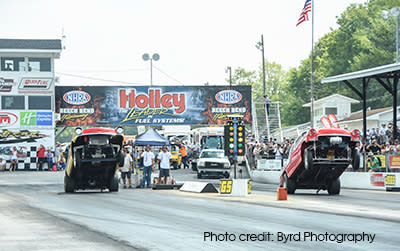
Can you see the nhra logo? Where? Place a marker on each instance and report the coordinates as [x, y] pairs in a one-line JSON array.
[[228, 97], [76, 97], [7, 119]]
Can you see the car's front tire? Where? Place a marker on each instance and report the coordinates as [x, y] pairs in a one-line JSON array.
[[308, 159], [199, 176], [289, 184], [334, 187], [69, 184]]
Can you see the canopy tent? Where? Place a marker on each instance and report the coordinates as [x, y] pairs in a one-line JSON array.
[[151, 137]]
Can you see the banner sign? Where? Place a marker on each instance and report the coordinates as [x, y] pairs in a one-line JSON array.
[[377, 179], [394, 162], [151, 105], [35, 83], [6, 85]]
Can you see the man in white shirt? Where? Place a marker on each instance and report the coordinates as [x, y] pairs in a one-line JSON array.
[[148, 163], [126, 169], [164, 159]]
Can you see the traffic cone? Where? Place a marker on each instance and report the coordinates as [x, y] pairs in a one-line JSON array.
[[282, 193]]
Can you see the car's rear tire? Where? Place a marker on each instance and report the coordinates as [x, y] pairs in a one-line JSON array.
[[289, 184], [308, 159], [114, 184], [69, 184], [356, 160], [175, 165], [334, 187]]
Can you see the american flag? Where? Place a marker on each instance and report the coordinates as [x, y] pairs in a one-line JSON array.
[[304, 12]]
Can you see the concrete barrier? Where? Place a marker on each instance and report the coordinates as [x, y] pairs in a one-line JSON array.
[[375, 181], [235, 187], [198, 187]]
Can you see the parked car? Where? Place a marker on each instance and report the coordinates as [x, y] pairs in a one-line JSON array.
[[213, 162], [318, 158], [94, 157]]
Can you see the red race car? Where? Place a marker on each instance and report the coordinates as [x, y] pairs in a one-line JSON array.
[[318, 157]]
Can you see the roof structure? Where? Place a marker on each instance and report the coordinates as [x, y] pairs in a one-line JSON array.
[[383, 71], [32, 44], [386, 75], [359, 115]]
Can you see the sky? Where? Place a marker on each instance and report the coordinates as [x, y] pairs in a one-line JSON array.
[[196, 40]]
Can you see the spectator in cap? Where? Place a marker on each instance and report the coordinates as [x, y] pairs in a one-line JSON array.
[[374, 162]]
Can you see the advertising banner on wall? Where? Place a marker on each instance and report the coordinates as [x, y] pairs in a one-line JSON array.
[[22, 85], [27, 142], [26, 120], [156, 105]]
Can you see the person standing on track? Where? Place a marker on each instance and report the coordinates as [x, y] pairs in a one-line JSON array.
[[41, 154], [14, 160], [184, 155], [126, 169], [164, 159], [148, 162]]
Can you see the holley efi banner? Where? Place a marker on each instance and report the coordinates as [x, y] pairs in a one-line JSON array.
[[155, 105]]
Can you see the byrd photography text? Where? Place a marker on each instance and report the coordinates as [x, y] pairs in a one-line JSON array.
[[289, 237]]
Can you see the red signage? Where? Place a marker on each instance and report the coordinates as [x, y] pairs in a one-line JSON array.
[[152, 99], [35, 83], [7, 119], [6, 84], [394, 162], [377, 179]]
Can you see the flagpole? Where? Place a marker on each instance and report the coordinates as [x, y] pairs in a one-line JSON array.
[[312, 64]]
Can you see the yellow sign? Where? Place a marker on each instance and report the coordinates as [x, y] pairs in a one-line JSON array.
[[249, 187], [390, 180], [226, 186]]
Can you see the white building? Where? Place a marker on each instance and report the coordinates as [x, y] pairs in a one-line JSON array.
[[336, 104], [27, 97], [375, 119]]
